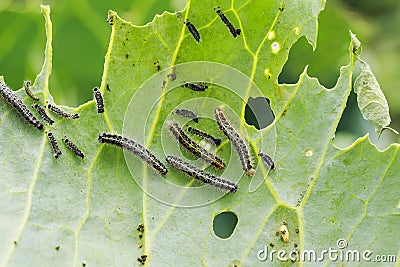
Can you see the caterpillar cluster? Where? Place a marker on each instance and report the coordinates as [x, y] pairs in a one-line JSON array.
[[12, 99], [143, 153], [177, 132]]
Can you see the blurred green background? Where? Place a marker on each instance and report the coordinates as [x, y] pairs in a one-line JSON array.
[[81, 37]]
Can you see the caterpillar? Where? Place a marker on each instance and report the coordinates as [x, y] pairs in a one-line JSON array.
[[135, 148], [13, 100], [235, 32], [62, 113], [27, 87], [193, 147], [238, 142], [43, 114], [267, 160], [204, 135], [73, 147], [201, 175], [54, 145], [187, 113], [193, 30], [196, 86], [99, 100]]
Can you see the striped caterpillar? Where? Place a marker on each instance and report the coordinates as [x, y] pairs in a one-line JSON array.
[[237, 141], [201, 175]]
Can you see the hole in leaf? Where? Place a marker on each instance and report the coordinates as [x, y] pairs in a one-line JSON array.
[[331, 53], [258, 112], [351, 125], [295, 64], [224, 224]]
